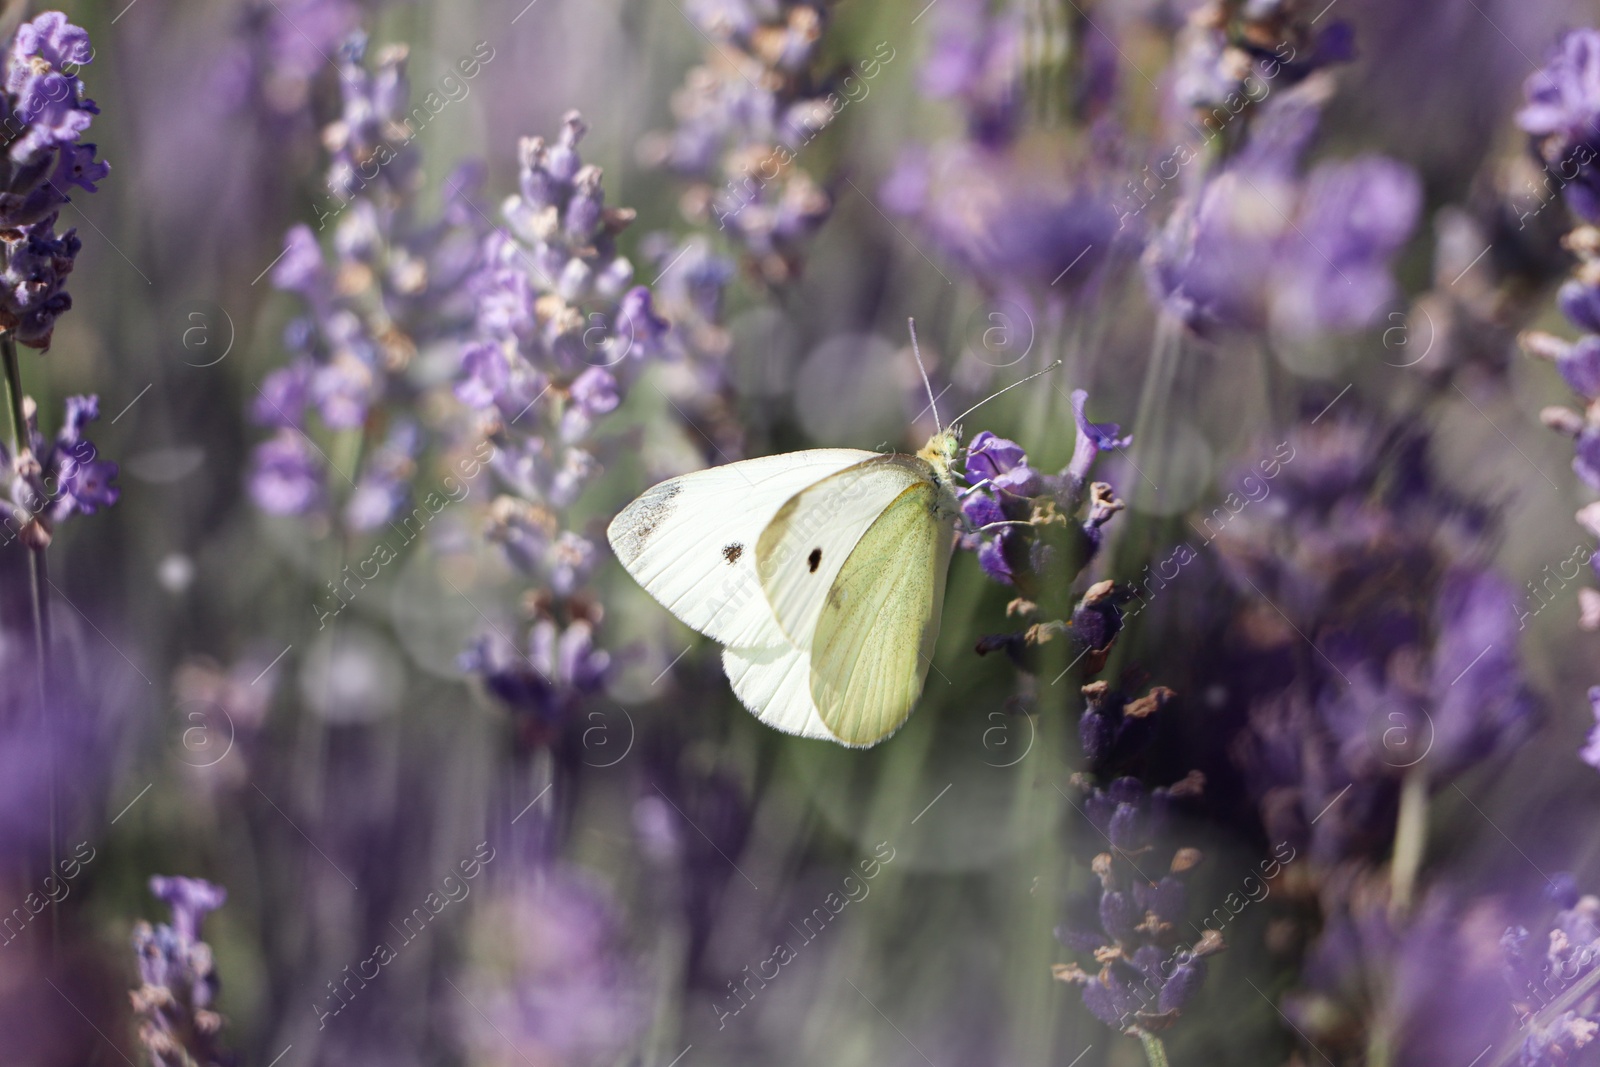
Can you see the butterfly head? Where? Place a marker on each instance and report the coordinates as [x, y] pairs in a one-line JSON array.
[[942, 450]]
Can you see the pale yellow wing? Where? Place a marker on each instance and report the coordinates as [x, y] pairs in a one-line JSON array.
[[875, 634], [805, 546]]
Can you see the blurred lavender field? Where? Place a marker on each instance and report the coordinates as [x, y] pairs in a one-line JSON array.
[[335, 332]]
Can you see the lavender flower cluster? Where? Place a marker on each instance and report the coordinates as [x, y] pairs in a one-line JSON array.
[[46, 113], [742, 117], [177, 994], [560, 336], [1562, 108], [389, 288]]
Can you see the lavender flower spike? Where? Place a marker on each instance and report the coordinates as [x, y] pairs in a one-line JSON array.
[[178, 981], [45, 112], [1563, 104]]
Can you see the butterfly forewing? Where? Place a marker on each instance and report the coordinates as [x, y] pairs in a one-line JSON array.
[[691, 540], [875, 635], [803, 549]]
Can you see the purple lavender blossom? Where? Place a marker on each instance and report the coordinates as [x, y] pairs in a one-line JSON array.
[[54, 480], [548, 682], [1018, 219], [46, 113], [743, 118], [1230, 50], [561, 334], [1004, 488], [1002, 219], [1135, 925], [1563, 103], [558, 984], [976, 59], [1567, 965], [384, 488], [1591, 749], [178, 981], [1354, 507], [1256, 249], [1368, 953], [286, 476], [386, 287]]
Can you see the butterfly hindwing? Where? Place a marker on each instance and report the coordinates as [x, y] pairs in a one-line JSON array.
[[875, 635], [803, 549], [775, 684], [691, 541]]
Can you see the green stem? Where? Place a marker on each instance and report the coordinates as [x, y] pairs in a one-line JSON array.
[[39, 578], [1410, 841], [36, 566], [1154, 1050]]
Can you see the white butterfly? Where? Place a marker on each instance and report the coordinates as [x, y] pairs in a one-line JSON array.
[[822, 572]]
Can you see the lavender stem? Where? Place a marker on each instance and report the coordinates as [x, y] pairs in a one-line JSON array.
[[38, 574], [1154, 1050], [1410, 840]]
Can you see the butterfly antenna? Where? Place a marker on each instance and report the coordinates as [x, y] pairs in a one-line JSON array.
[[1007, 389], [933, 401]]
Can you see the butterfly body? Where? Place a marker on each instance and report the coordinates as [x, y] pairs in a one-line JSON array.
[[822, 572]]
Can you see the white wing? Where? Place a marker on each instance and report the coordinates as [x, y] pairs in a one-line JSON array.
[[691, 540], [812, 534], [775, 684]]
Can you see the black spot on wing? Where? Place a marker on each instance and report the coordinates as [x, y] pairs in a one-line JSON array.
[[732, 552], [815, 559]]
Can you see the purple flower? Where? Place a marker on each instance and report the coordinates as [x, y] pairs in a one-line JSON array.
[[1368, 955], [976, 58], [383, 288], [286, 475], [1476, 642], [1255, 249], [300, 269], [1580, 363], [53, 39], [1135, 926], [569, 990], [284, 394], [1254, 246], [1002, 464], [1230, 59], [178, 979], [344, 390], [1092, 438], [33, 280], [1354, 218], [1005, 220], [1563, 104], [550, 681], [384, 487], [190, 899], [42, 82], [1353, 539], [45, 112], [77, 166], [57, 479], [745, 115], [1001, 485], [1005, 488], [1114, 730], [1591, 750]]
